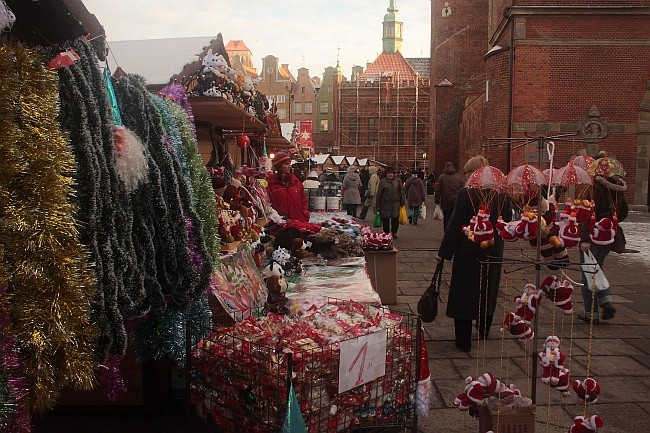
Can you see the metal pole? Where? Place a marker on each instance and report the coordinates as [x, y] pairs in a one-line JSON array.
[[533, 397]]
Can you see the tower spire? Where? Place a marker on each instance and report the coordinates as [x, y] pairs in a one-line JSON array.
[[393, 25]]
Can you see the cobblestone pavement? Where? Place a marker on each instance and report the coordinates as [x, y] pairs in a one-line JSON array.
[[616, 352]]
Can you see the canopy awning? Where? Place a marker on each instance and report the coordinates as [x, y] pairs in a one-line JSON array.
[[225, 114]]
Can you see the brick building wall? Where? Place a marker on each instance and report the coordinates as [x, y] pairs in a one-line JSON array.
[[458, 43], [573, 66]]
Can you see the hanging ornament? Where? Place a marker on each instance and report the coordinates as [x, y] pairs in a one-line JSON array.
[[243, 141]]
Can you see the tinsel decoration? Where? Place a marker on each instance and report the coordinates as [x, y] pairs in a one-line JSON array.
[[176, 93], [105, 209], [174, 266], [111, 379], [163, 335], [14, 416], [166, 211], [203, 200], [115, 108], [173, 134], [130, 159], [49, 284]]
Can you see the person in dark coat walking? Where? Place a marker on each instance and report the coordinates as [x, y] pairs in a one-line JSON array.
[[446, 190], [415, 195], [476, 272], [390, 197]]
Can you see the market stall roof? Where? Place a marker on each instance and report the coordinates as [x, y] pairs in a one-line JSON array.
[[158, 60], [279, 143], [321, 158], [338, 160], [351, 159], [362, 162], [225, 114]]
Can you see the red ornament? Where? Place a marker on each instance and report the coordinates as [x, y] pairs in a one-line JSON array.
[[243, 141]]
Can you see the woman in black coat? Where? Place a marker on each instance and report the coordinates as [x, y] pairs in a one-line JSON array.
[[472, 273]]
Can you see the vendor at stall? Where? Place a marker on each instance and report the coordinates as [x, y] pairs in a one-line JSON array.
[[285, 190]]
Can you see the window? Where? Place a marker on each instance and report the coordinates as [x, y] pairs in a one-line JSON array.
[[329, 89], [323, 125], [373, 131], [324, 107], [302, 90], [282, 113], [280, 99], [308, 108], [297, 107]]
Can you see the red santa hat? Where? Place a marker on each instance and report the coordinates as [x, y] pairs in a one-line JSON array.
[[587, 390], [583, 424], [603, 231]]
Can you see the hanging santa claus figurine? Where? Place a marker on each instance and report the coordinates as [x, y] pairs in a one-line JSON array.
[[583, 424], [507, 231], [552, 359], [559, 292], [569, 229], [480, 229], [604, 230], [587, 390], [526, 304]]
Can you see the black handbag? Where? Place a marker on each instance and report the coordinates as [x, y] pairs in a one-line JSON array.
[[428, 303]]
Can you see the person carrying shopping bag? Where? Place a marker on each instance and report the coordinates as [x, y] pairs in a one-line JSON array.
[[609, 204], [415, 195], [390, 197]]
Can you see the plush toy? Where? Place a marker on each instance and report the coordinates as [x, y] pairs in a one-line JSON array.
[[603, 231], [569, 230], [587, 390], [507, 231], [517, 327], [527, 226], [477, 390], [586, 425], [583, 210], [483, 230], [559, 292], [526, 304], [553, 371], [276, 300]]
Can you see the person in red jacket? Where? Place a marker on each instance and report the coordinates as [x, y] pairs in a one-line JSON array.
[[286, 191]]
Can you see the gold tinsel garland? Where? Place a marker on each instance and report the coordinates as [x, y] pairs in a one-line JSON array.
[[50, 284]]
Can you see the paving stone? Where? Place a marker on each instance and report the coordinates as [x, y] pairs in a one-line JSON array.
[[643, 359], [611, 365], [608, 347]]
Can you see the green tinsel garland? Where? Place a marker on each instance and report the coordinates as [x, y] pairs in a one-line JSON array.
[[171, 129], [203, 199], [105, 210], [175, 269], [50, 285]]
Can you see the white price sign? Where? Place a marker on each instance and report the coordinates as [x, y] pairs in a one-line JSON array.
[[362, 360]]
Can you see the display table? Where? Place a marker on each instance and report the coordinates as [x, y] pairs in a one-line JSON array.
[[382, 270]]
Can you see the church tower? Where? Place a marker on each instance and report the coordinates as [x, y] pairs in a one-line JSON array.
[[392, 29]]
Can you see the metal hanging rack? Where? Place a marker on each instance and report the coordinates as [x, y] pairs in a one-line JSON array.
[[542, 141]]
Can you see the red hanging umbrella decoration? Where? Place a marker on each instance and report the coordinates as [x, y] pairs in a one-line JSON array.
[[523, 183], [487, 181], [582, 161], [572, 174], [551, 177]]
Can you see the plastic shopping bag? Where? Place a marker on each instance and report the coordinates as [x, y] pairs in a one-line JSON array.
[[403, 218], [377, 221], [593, 273], [423, 211], [437, 213]]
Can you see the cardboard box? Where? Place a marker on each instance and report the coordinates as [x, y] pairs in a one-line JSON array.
[[382, 270], [506, 420]]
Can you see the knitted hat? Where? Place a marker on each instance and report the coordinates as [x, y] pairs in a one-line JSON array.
[[281, 158], [312, 175]]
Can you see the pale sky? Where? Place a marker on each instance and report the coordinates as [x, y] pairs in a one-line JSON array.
[[285, 29]]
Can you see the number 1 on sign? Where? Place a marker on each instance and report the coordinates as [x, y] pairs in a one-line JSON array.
[[362, 354]]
